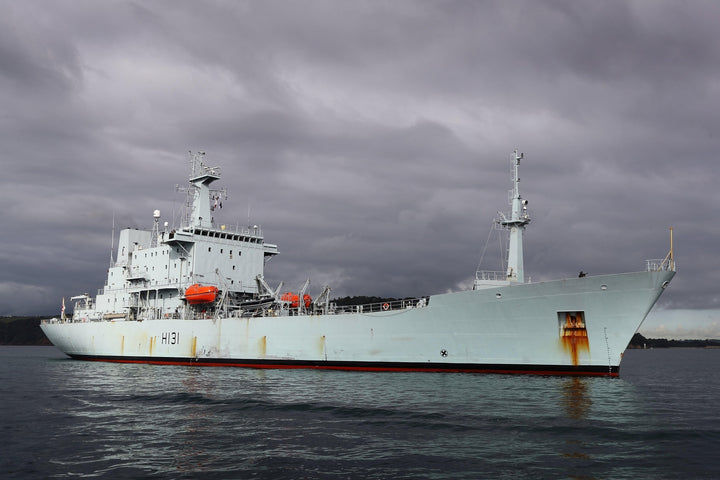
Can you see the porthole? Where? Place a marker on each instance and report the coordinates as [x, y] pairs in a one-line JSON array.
[[603, 287]]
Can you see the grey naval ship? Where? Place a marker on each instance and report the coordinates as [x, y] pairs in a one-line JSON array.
[[196, 295]]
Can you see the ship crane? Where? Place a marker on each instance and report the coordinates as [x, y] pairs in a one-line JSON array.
[[322, 302], [302, 295], [264, 287]]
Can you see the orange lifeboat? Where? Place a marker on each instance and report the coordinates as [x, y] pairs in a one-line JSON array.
[[294, 299], [197, 293]]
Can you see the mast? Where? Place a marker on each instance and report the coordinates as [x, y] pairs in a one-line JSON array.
[[201, 178], [519, 218]]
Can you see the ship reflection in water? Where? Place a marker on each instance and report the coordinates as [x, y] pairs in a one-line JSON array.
[[577, 403], [576, 399]]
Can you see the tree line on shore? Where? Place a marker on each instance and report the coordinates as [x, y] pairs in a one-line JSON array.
[[639, 341], [22, 331]]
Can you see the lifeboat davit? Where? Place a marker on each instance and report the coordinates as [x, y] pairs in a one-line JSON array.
[[197, 293], [294, 299]]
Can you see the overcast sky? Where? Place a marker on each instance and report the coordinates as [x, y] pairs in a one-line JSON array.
[[371, 140]]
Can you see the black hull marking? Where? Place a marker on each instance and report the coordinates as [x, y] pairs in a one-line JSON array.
[[587, 370]]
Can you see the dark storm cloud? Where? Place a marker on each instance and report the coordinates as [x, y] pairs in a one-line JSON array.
[[371, 140]]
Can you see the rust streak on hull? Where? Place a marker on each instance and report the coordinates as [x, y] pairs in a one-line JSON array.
[[574, 336]]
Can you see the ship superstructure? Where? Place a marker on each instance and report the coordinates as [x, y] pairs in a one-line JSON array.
[[155, 268], [197, 295]]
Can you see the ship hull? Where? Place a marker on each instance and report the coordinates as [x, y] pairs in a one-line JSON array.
[[575, 326]]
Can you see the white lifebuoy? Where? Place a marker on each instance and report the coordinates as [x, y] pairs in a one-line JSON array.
[[386, 306]]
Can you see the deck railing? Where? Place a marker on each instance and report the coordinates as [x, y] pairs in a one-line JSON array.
[[402, 304], [490, 276], [659, 264]]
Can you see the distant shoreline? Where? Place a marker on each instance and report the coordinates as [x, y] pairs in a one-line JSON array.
[[22, 331], [639, 342]]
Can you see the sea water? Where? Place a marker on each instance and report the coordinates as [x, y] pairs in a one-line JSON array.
[[71, 419]]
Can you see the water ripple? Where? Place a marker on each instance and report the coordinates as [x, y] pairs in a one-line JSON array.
[[67, 419]]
